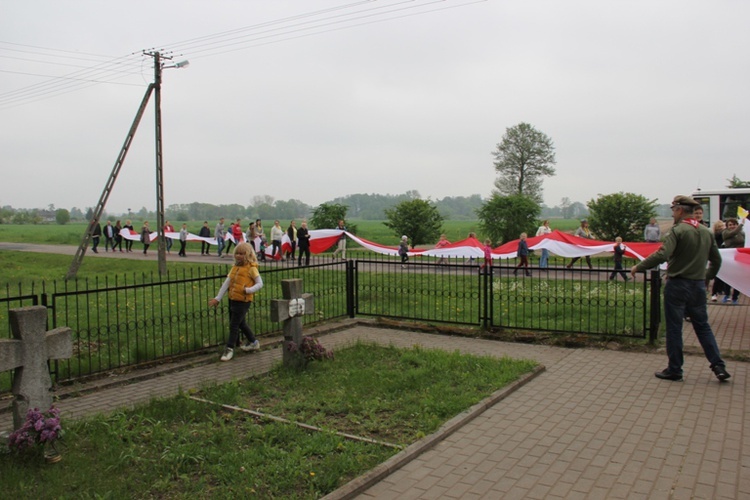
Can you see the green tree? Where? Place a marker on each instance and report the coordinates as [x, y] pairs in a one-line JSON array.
[[620, 214], [6, 214], [62, 216], [736, 182], [578, 209], [76, 214], [504, 218], [418, 219], [291, 209], [328, 215], [524, 156]]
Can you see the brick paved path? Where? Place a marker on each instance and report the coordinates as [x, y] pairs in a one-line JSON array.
[[596, 424], [731, 325]]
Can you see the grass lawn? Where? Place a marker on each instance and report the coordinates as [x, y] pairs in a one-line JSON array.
[[372, 230], [26, 267], [181, 448]]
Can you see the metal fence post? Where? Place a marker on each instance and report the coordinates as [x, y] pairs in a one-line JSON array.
[[655, 319], [350, 286], [485, 277]]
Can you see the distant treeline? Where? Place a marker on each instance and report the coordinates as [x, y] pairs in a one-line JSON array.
[[360, 206]]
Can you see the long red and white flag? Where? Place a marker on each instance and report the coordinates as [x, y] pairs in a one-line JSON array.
[[735, 268]]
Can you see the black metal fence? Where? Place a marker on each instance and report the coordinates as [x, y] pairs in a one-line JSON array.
[[555, 299], [124, 322]]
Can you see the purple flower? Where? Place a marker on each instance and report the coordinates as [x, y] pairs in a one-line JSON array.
[[38, 429]]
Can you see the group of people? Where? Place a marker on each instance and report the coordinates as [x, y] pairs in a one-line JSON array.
[[145, 238], [727, 234], [112, 238], [256, 237], [686, 248]]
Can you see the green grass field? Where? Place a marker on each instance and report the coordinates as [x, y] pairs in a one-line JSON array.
[[70, 234]]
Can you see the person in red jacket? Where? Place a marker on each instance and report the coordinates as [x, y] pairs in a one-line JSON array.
[[168, 228], [236, 231]]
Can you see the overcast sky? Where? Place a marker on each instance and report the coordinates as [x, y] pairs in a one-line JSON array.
[[649, 97]]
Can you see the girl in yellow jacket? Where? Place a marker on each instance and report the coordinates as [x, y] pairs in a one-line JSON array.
[[242, 282]]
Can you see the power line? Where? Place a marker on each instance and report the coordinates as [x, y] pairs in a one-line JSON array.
[[191, 41], [56, 63], [110, 70], [255, 36], [77, 53], [70, 78]]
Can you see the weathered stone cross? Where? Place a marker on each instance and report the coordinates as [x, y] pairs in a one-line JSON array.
[[290, 310], [28, 353]]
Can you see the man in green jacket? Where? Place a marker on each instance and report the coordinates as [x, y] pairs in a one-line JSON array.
[[686, 248]]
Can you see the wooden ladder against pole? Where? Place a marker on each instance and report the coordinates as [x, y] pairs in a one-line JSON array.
[[78, 258]]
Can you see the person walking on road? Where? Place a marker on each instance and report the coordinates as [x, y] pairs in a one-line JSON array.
[[205, 232], [543, 230], [131, 231], [168, 228], [619, 253], [523, 255], [145, 237], [403, 250], [118, 236], [686, 248], [183, 240], [291, 233], [109, 237], [95, 235], [219, 233], [276, 234], [341, 244], [303, 236], [583, 232], [442, 243]]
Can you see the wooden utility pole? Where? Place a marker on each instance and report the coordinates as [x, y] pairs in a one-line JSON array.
[[162, 252], [162, 248]]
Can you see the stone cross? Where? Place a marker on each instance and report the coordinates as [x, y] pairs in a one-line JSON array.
[[290, 310], [28, 353]]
